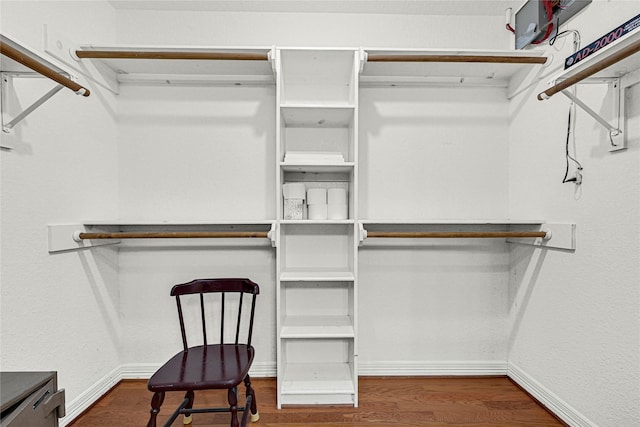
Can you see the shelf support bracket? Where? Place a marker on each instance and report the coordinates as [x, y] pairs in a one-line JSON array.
[[273, 235], [362, 59], [8, 127], [271, 57], [614, 131], [362, 234]]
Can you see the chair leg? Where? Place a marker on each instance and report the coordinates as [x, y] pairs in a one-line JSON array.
[[232, 396], [255, 416], [188, 417], [156, 402]]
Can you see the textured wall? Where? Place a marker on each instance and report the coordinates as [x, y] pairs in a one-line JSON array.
[[575, 316], [59, 311]]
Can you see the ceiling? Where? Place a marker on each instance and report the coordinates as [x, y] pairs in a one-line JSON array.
[[410, 7]]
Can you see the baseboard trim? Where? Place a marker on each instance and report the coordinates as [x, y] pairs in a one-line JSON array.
[[135, 371], [80, 404], [454, 368], [557, 406], [552, 402]]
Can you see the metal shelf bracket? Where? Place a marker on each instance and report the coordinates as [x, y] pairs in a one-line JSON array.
[[10, 124], [616, 138]]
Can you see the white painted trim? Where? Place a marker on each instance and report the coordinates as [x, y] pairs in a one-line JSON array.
[[138, 371], [135, 371], [81, 403], [556, 405], [441, 368], [389, 368]]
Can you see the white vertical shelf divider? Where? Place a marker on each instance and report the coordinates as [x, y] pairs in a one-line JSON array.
[[316, 131]]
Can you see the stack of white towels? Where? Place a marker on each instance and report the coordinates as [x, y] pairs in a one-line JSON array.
[[321, 203]]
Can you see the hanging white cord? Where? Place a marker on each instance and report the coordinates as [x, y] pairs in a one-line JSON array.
[[576, 48], [571, 128]]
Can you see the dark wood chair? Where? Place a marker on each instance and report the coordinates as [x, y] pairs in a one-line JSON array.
[[223, 365]]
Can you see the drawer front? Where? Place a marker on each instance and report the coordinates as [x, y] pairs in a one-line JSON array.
[[40, 409]]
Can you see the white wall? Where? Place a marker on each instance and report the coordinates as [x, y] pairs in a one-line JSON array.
[[433, 154], [210, 28], [575, 316], [59, 311], [194, 154]]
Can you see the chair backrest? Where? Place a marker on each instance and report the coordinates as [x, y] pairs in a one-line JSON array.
[[222, 287]]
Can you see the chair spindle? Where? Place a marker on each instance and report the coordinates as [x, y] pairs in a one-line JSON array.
[[239, 316], [204, 322]]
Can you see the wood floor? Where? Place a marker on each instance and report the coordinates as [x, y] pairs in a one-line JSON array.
[[388, 401]]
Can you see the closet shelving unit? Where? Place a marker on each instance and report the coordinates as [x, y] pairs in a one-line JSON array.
[[447, 68], [317, 92], [171, 65], [317, 110], [18, 60]]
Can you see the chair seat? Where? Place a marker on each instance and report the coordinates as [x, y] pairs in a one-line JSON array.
[[218, 366]]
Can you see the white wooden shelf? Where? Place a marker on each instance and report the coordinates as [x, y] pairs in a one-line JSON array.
[[64, 237], [558, 235], [317, 221], [316, 275], [454, 222], [449, 67], [317, 378], [181, 223], [179, 64], [11, 66], [317, 327], [328, 115], [342, 167]]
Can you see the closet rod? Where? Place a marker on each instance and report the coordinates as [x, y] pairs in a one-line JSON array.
[[171, 235], [591, 70], [115, 54], [38, 67], [458, 58], [457, 234]]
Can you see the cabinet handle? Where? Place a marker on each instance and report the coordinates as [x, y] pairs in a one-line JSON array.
[[55, 401], [39, 401]]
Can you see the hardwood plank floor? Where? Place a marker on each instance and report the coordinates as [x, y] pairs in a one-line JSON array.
[[384, 401]]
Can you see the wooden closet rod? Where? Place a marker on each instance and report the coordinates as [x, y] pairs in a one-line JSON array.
[[173, 235], [114, 54], [40, 68], [457, 234], [458, 58], [591, 70]]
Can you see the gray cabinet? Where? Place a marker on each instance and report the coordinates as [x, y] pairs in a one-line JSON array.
[[30, 399]]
